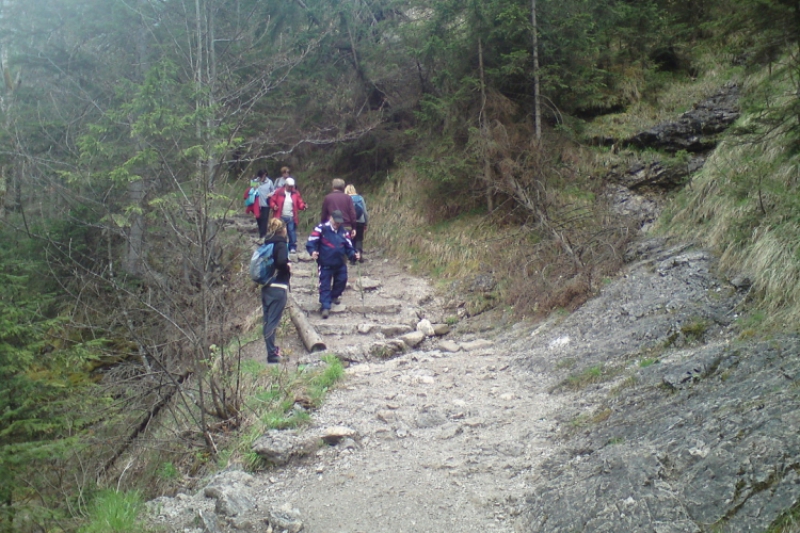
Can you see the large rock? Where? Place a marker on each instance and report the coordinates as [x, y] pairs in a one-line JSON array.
[[280, 447], [724, 450], [233, 496], [285, 518], [702, 434], [413, 339], [695, 130]]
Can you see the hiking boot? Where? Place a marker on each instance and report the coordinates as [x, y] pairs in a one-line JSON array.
[[337, 301], [276, 358], [326, 313]]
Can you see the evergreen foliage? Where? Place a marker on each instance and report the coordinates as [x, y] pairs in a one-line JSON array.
[[43, 387]]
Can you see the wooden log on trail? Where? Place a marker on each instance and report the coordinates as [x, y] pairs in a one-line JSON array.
[[310, 337]]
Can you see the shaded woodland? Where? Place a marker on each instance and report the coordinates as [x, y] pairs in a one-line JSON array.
[[129, 129]]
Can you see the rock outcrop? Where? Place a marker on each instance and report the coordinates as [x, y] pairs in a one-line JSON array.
[[696, 130], [690, 429]]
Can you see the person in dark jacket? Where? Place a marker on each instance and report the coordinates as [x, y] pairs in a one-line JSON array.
[[330, 245], [274, 295], [337, 200]]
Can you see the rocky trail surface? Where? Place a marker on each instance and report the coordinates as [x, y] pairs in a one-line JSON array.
[[639, 412], [431, 429]]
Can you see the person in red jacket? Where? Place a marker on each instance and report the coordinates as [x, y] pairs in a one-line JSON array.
[[337, 200], [286, 203]]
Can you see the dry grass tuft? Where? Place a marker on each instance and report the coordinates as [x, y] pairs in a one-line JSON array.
[[745, 204]]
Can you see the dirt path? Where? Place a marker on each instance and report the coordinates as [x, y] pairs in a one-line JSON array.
[[444, 441], [446, 431]]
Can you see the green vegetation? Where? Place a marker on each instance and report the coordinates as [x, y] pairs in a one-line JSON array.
[[587, 376], [282, 398], [116, 182], [115, 512], [694, 330]]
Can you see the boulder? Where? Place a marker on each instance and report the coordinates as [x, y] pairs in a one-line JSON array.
[[425, 327], [280, 447]]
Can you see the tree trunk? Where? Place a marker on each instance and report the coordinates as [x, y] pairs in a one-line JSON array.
[[137, 188], [537, 104], [487, 164]]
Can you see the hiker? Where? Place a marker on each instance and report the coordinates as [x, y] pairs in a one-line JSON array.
[[337, 200], [265, 191], [286, 203], [329, 244], [273, 295], [361, 220], [251, 201], [281, 181]]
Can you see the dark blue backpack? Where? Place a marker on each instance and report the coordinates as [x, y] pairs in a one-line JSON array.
[[262, 264]]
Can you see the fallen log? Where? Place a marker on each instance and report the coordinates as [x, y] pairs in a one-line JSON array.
[[310, 337]]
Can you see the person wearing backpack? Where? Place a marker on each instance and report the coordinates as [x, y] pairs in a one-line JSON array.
[[251, 202], [274, 292], [329, 244], [361, 220]]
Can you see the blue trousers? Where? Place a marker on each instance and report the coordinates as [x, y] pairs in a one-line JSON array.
[[336, 276], [291, 231], [273, 301]]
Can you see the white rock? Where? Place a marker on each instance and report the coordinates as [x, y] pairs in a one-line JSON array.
[[425, 327]]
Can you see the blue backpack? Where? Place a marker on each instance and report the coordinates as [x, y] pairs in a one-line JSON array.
[[252, 194], [262, 264], [358, 203]]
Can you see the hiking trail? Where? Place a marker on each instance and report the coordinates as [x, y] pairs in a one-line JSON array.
[[430, 432]]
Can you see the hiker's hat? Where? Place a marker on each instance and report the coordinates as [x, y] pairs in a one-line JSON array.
[[337, 216], [290, 182]]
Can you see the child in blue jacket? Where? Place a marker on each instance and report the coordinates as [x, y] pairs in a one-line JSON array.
[[330, 245]]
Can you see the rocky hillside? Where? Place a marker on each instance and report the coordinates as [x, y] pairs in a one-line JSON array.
[[646, 410]]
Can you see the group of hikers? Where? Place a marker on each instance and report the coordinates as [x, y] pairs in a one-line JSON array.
[[338, 237]]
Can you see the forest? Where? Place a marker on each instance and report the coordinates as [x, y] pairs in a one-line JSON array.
[[131, 128]]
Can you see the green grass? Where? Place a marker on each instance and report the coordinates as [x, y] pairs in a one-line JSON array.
[[167, 471], [647, 361], [586, 377], [115, 512], [787, 522], [283, 398]]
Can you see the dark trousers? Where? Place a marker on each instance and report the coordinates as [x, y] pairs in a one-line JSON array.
[[358, 240], [273, 301], [337, 276], [263, 221]]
